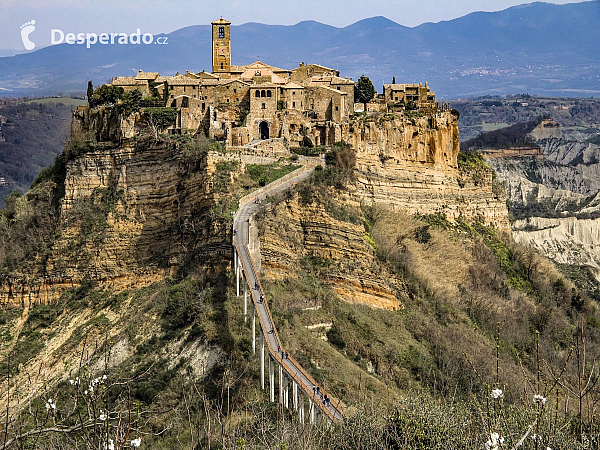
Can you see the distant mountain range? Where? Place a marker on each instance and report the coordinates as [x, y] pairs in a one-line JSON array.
[[539, 48]]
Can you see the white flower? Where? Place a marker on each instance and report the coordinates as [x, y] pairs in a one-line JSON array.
[[136, 442], [102, 415], [50, 405], [497, 393], [537, 398], [494, 441]]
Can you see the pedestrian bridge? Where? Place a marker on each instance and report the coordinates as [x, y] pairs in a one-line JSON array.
[[308, 400]]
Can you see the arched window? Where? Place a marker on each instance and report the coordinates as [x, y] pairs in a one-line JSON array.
[[269, 93], [263, 93], [221, 32], [257, 93], [185, 102]]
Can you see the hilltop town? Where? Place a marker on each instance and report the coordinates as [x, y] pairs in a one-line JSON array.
[[243, 104]]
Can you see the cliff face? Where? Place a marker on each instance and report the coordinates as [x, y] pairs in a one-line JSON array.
[[296, 235], [131, 214], [411, 164], [136, 209]]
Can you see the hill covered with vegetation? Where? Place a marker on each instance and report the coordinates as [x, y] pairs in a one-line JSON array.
[[488, 337]]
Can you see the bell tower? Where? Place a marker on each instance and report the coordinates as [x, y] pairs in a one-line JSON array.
[[221, 44]]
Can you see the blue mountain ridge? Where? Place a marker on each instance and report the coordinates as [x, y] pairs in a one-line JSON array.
[[539, 47]]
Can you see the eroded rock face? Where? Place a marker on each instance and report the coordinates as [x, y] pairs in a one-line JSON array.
[[411, 164], [129, 217], [566, 240], [295, 235]]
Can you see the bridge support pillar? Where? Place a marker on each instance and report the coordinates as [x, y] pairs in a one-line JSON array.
[[271, 380], [253, 329], [311, 410], [280, 384], [262, 359], [245, 299], [286, 391], [237, 274], [301, 407], [294, 395]]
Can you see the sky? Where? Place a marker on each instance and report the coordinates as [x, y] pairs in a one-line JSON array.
[[162, 16]]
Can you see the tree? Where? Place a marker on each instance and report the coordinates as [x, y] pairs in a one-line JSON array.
[[364, 90], [90, 92]]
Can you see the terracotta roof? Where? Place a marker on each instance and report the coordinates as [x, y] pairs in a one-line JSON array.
[[146, 75], [182, 80], [128, 81], [221, 21]]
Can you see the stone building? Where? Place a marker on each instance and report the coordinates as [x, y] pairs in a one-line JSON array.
[[414, 93], [242, 105]]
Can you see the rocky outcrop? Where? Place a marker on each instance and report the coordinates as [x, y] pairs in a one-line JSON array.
[[556, 197], [565, 240], [410, 163], [130, 215], [296, 237]]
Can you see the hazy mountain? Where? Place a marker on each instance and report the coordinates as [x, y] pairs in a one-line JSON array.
[[537, 48]]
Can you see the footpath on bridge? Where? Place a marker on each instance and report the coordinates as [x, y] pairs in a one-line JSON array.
[[288, 366]]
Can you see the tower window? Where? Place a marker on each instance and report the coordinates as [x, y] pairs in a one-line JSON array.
[[257, 93], [221, 66], [221, 32], [263, 106], [268, 93]]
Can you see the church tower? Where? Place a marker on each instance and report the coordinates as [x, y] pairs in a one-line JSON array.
[[221, 43]]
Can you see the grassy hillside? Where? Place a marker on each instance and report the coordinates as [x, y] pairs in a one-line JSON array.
[[171, 364]]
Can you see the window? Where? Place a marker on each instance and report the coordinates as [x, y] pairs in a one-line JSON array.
[[235, 91], [203, 106], [184, 89], [293, 92], [221, 66], [338, 88], [185, 102], [227, 100], [263, 94], [221, 32], [264, 106], [269, 93], [293, 104], [257, 93], [337, 109]]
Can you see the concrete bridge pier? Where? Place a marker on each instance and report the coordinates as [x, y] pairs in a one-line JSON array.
[[286, 391], [245, 299], [311, 410], [294, 396], [262, 360], [253, 329], [280, 384], [301, 407], [237, 273], [271, 380]]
